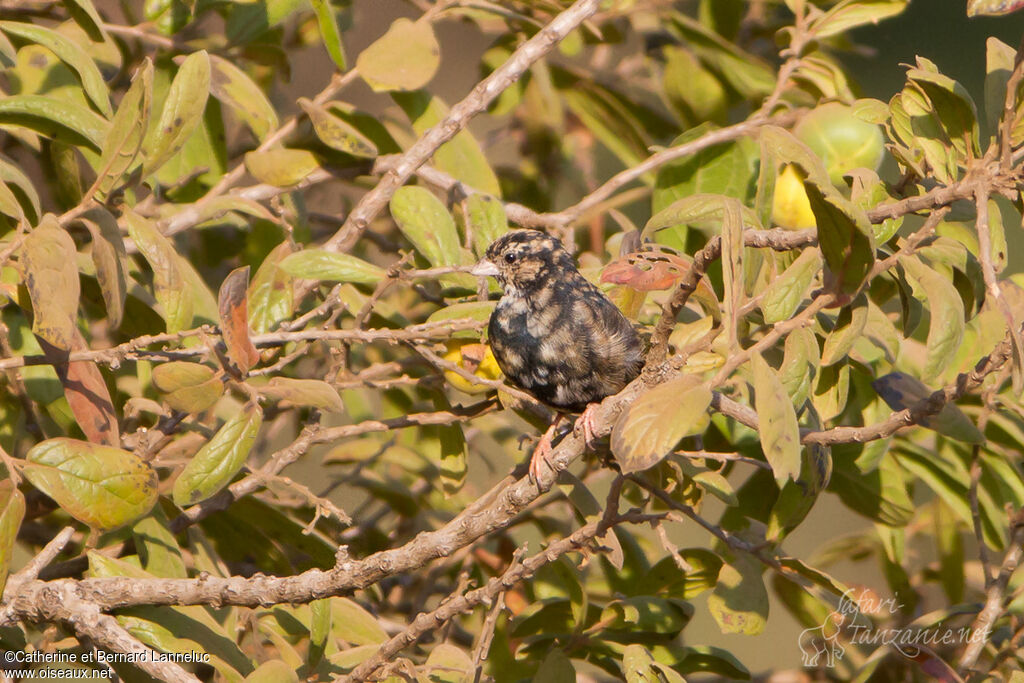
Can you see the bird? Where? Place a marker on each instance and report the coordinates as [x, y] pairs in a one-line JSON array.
[[554, 334]]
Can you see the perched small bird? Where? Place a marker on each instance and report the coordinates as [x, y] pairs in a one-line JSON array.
[[554, 334]]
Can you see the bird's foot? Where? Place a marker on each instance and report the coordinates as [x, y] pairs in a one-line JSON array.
[[542, 453], [587, 424]]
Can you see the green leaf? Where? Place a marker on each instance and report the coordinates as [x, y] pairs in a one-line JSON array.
[[637, 665], [425, 222], [999, 64], [461, 157], [783, 295], [694, 93], [648, 431], [169, 280], [188, 387], [157, 548], [85, 15], [271, 297], [845, 238], [850, 14], [832, 391], [305, 392], [879, 493], [274, 671], [739, 602], [946, 327], [98, 485], [725, 169], [23, 188], [182, 113], [701, 575], [12, 512], [800, 364], [355, 625], [250, 20], [448, 664], [281, 167], [320, 264], [849, 327], [127, 130], [405, 58], [779, 433], [556, 668], [217, 462], [233, 87], [56, 119], [69, 52], [699, 210], [337, 133], [329, 32], [485, 220]]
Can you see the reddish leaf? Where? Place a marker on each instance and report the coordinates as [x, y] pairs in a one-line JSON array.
[[649, 268], [233, 304], [990, 7], [86, 392]]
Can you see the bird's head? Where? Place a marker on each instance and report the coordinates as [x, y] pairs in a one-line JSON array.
[[525, 260]]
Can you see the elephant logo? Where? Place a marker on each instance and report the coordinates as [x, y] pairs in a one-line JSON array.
[[823, 640]]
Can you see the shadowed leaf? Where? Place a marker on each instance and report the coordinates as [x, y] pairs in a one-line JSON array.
[[780, 434], [108, 255], [171, 288], [337, 133], [48, 258], [233, 87], [12, 511]]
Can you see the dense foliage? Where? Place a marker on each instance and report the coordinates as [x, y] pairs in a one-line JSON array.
[[242, 427]]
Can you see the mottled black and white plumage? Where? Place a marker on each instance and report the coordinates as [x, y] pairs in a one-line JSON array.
[[553, 333]]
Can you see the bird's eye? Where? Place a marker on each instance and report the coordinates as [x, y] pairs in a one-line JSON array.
[[510, 258]]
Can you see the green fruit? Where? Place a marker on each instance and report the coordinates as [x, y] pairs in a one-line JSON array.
[[843, 141]]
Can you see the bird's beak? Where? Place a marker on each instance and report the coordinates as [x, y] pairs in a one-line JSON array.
[[484, 268]]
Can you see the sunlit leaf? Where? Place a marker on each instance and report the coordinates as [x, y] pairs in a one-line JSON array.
[[337, 133], [217, 463], [739, 602], [305, 392], [54, 118], [406, 57], [779, 433], [281, 167], [645, 433], [100, 486], [169, 281], [320, 264], [12, 511], [233, 87], [425, 222], [233, 305], [182, 113]]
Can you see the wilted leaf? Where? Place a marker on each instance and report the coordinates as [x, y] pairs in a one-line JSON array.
[[100, 486], [406, 57], [69, 52], [108, 255], [320, 264], [337, 133], [48, 259], [233, 306], [739, 602], [645, 433], [270, 292], [425, 222], [779, 433], [281, 167], [171, 289], [85, 391], [183, 111], [12, 511], [216, 463], [901, 391], [233, 87], [305, 392]]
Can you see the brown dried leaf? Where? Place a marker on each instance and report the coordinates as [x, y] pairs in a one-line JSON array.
[[85, 390], [233, 305]]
